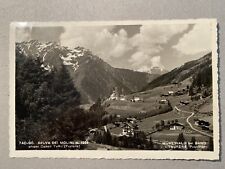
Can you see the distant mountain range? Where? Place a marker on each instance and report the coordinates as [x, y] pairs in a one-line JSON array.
[[188, 70], [92, 77]]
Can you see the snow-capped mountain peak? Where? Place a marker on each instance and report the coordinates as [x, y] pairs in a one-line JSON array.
[[45, 51]]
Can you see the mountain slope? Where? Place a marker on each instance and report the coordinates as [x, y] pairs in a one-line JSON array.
[[92, 77], [188, 70]]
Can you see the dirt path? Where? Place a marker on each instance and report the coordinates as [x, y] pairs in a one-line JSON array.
[[187, 120]]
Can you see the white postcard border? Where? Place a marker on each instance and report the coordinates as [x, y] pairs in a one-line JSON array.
[[112, 154]]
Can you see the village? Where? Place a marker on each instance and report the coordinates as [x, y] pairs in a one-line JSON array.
[[158, 118]]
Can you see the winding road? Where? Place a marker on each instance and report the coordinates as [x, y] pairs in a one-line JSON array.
[[187, 120]]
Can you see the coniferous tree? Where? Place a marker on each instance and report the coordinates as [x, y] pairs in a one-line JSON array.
[[151, 144], [108, 137], [181, 138], [64, 87], [193, 143]]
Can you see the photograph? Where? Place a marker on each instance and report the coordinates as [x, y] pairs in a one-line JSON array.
[[114, 89]]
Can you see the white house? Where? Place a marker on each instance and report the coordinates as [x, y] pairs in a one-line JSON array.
[[171, 93], [163, 101], [136, 99], [176, 126], [113, 96], [128, 130], [92, 131], [122, 98], [143, 112]]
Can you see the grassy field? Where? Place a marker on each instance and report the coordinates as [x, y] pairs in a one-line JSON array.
[[207, 107], [147, 123], [131, 109], [167, 135], [151, 101]]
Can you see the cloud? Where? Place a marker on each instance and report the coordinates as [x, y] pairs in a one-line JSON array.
[[143, 62], [139, 59], [156, 61], [100, 40], [23, 34], [196, 41], [152, 37], [149, 42]]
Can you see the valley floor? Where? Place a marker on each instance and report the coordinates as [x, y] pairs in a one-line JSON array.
[[164, 128]]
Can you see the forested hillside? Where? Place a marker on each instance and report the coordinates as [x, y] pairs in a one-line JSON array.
[[47, 104], [188, 70]]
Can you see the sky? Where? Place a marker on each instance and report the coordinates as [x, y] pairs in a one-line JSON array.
[[136, 47]]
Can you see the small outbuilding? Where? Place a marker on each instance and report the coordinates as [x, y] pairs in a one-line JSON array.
[[163, 101], [171, 93], [176, 126]]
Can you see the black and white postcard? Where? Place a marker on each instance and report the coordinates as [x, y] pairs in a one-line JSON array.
[[114, 90]]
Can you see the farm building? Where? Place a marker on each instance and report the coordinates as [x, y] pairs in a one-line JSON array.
[[132, 120], [114, 96], [178, 93], [186, 102], [92, 131], [165, 95], [163, 101], [136, 99], [122, 98], [171, 93], [95, 131], [176, 126], [196, 97], [202, 123], [143, 112], [128, 130], [118, 115]]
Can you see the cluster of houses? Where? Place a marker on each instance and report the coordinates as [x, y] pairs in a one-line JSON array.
[[116, 96], [129, 127], [137, 99], [202, 123], [177, 93]]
